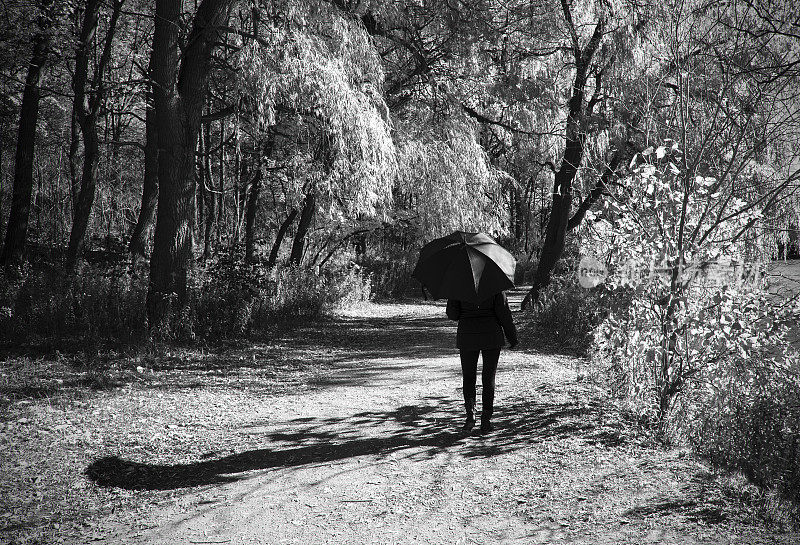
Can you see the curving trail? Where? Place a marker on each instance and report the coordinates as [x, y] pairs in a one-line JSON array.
[[370, 453], [347, 433]]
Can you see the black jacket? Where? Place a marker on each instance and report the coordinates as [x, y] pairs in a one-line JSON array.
[[483, 325]]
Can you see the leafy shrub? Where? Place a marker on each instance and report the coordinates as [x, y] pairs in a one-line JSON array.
[[8, 293], [391, 277], [566, 314], [668, 238], [751, 422], [235, 298], [303, 293], [701, 353], [101, 303], [716, 332]]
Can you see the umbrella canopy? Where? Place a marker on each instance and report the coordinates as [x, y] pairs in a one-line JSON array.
[[465, 266]]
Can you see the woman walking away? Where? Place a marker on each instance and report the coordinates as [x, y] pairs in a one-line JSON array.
[[482, 329]]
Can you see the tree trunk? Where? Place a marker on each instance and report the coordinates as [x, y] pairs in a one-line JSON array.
[[86, 107], [555, 234], [202, 183], [211, 214], [179, 97], [82, 125], [239, 173], [17, 231], [251, 206], [276, 246], [307, 214], [83, 208], [144, 223], [220, 224], [74, 166], [250, 217], [1, 182], [520, 213], [360, 245], [529, 205]]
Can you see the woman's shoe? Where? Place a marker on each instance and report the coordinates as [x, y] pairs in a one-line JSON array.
[[486, 426], [468, 425]]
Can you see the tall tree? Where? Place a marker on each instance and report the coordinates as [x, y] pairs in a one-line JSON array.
[[251, 205], [180, 86], [250, 217], [577, 111], [86, 108], [333, 155], [208, 190], [17, 231]]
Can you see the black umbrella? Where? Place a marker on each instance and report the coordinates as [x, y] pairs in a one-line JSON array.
[[465, 266]]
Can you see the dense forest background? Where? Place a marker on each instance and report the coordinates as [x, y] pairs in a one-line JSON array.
[[302, 132], [209, 169]]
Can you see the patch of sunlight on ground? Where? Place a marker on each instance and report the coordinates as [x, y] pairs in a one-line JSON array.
[[371, 309]]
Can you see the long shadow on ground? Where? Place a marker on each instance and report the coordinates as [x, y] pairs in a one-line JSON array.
[[422, 431]]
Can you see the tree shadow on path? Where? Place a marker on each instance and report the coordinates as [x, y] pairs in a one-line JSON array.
[[420, 432], [376, 338]]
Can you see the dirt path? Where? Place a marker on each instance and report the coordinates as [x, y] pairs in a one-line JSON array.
[[366, 449]]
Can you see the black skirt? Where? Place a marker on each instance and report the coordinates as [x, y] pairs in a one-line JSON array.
[[479, 334]]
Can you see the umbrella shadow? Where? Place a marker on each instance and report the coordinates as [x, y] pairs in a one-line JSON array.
[[417, 431]]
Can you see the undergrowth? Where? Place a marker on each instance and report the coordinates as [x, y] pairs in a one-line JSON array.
[[238, 299], [734, 389], [752, 426], [566, 314], [107, 303], [742, 414], [391, 277]]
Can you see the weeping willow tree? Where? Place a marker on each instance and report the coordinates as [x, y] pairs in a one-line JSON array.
[[566, 94], [535, 78], [446, 181], [313, 88]]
